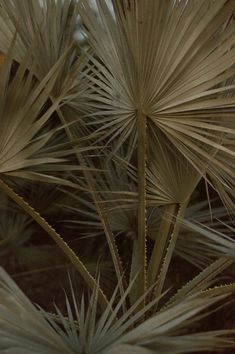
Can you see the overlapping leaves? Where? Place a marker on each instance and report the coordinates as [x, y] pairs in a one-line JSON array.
[[82, 333]]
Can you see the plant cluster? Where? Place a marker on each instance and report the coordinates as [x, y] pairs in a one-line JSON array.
[[117, 164]]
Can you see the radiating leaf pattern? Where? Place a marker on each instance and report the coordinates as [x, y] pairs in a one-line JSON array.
[[131, 131]]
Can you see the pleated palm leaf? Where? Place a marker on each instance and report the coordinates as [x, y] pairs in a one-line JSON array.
[[23, 328], [32, 21], [203, 234], [28, 148], [206, 242], [156, 67], [41, 332], [53, 39], [156, 86], [167, 164], [30, 144]]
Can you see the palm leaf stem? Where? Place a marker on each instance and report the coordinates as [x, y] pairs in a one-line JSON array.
[[170, 238], [161, 242], [204, 279], [74, 259], [142, 225]]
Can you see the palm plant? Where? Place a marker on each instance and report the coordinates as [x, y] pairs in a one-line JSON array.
[[41, 333], [165, 91], [131, 125]]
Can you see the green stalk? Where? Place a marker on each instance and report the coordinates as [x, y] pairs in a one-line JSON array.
[[170, 241], [142, 226], [74, 259], [161, 243]]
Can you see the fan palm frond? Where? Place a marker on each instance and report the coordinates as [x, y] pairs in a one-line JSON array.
[[26, 149], [51, 39], [200, 248], [162, 74], [207, 240], [155, 87], [31, 334], [82, 332], [170, 83], [32, 21]]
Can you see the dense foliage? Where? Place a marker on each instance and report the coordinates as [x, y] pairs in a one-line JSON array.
[[117, 164]]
